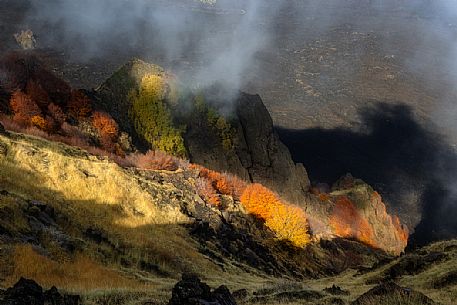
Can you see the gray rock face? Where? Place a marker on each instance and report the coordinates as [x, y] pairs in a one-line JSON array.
[[270, 161], [258, 156]]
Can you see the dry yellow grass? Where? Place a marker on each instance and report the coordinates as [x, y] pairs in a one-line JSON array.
[[78, 274], [98, 194]]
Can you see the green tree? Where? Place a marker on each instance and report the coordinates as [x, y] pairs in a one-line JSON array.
[[152, 118]]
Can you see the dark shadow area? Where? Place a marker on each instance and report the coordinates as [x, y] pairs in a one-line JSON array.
[[392, 152]]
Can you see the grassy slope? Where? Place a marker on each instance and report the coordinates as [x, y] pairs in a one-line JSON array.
[[140, 220]]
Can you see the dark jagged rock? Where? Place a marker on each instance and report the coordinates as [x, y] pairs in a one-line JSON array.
[[336, 290], [258, 156], [24, 292], [386, 293], [192, 291], [28, 292]]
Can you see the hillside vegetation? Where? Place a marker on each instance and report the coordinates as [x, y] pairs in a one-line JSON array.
[[84, 223], [99, 195]]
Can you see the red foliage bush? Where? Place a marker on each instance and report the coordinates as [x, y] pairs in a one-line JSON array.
[[23, 107], [206, 191], [56, 113], [153, 160], [223, 183], [20, 69], [105, 124], [79, 106]]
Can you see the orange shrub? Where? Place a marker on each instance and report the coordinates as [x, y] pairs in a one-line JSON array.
[[347, 222], [105, 124], [39, 122], [80, 105], [260, 201], [287, 221], [23, 108]]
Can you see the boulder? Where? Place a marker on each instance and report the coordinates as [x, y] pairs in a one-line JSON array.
[[192, 291], [28, 292], [24, 292]]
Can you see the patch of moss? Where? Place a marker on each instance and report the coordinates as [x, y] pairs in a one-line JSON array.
[[152, 118]]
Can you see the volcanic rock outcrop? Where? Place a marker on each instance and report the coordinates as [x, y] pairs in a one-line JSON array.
[[257, 153]]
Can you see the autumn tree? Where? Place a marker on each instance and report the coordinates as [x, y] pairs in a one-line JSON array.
[[152, 118], [79, 105], [23, 107], [105, 125], [39, 122], [260, 201], [56, 113], [287, 221]]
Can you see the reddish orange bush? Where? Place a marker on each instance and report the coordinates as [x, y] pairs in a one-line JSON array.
[[105, 124], [23, 108], [223, 183], [154, 160], [347, 222], [260, 201], [206, 191], [56, 113], [80, 105]]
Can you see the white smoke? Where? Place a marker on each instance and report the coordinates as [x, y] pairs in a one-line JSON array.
[[224, 36]]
